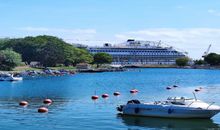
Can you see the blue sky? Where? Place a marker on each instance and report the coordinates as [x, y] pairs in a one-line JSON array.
[[187, 24]]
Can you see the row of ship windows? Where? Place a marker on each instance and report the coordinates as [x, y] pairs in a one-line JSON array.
[[150, 55], [132, 51], [153, 54]]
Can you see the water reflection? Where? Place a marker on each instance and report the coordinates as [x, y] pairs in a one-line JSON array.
[[165, 123]]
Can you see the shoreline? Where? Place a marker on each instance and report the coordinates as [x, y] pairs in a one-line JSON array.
[[73, 70]]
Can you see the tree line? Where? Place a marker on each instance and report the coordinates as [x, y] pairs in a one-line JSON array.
[[50, 51], [212, 59]]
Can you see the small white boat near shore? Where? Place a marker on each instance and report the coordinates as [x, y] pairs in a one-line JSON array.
[[176, 107], [10, 77]]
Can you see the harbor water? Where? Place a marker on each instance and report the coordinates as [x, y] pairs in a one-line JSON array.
[[73, 109]]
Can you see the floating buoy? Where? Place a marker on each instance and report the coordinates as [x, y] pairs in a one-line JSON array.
[[168, 88], [105, 95], [95, 97], [23, 103], [116, 94], [198, 89], [175, 86], [47, 101], [133, 91], [42, 110]]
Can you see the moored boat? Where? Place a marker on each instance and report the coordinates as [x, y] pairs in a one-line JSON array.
[[10, 77], [173, 107]]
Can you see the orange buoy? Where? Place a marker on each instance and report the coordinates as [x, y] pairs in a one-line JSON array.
[[23, 103], [95, 97], [136, 90], [47, 101], [116, 94], [105, 95], [42, 110], [197, 90], [133, 91], [175, 86]]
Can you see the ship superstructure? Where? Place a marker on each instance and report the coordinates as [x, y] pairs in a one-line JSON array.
[[134, 52]]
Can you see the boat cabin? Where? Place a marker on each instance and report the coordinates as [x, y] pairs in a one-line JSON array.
[[177, 100]]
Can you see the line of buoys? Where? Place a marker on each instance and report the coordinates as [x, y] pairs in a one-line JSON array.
[[23, 103], [42, 110], [105, 95], [95, 97], [134, 91], [47, 101], [116, 93]]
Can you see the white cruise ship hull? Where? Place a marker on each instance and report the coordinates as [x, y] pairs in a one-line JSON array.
[[169, 111]]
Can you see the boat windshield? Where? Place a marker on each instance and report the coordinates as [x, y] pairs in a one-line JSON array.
[[177, 103], [177, 100]]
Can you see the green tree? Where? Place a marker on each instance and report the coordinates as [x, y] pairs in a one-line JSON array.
[[3, 42], [50, 55], [182, 61], [102, 58], [9, 59], [48, 50], [199, 62], [74, 56], [27, 47], [212, 59]]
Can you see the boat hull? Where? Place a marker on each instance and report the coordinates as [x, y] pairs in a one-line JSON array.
[[167, 111]]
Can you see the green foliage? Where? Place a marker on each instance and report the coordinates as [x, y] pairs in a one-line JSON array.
[[212, 59], [182, 61], [199, 62], [9, 59], [48, 50], [102, 58], [3, 42]]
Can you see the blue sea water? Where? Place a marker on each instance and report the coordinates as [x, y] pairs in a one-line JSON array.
[[73, 108]]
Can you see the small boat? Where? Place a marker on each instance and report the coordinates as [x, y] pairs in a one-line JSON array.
[[9, 77], [173, 107]]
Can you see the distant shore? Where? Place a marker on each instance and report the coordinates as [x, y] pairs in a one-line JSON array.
[[97, 70]]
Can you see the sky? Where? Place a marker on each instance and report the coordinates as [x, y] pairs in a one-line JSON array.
[[189, 25]]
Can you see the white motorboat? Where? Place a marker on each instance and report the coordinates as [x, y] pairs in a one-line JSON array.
[[176, 107], [9, 77]]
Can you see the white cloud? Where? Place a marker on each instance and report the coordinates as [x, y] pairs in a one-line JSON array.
[[69, 35], [193, 40], [214, 12]]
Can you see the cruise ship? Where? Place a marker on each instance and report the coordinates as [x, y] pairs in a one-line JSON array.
[[136, 52]]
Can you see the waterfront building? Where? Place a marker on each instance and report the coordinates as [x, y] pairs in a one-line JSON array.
[[134, 52]]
